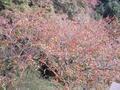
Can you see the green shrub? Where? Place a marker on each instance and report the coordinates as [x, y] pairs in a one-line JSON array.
[[5, 2], [14, 4], [32, 81], [68, 7], [108, 8]]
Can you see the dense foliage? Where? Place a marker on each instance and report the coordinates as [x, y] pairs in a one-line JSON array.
[[60, 42], [108, 8]]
